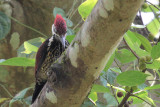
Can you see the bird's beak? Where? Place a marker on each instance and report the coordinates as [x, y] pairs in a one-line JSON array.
[[62, 39]]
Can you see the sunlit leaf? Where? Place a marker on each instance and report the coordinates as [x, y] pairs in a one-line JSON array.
[[131, 78], [154, 65], [36, 42], [146, 44], [153, 87], [154, 27], [150, 100], [93, 97], [150, 8], [19, 61], [2, 100], [86, 7], [134, 43], [70, 38], [29, 48]]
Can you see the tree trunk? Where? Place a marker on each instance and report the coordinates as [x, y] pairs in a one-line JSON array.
[[73, 74]]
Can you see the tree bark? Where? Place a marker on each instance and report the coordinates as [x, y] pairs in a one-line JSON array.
[[73, 74]]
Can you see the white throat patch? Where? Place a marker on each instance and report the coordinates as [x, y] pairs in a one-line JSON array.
[[50, 41], [53, 30]]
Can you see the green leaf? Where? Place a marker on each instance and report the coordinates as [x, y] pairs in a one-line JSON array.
[[111, 76], [70, 38], [19, 61], [142, 86], [154, 27], [2, 100], [131, 78], [111, 101], [19, 96], [99, 89], [28, 100], [146, 44], [110, 61], [70, 31], [150, 100], [134, 43], [29, 48], [153, 87], [60, 11], [68, 22], [86, 7], [36, 42], [5, 25], [102, 79], [93, 97], [148, 9], [116, 69], [125, 56], [131, 39], [154, 65], [15, 41], [155, 53]]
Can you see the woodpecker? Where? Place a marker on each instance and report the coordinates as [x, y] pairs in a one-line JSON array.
[[49, 52]]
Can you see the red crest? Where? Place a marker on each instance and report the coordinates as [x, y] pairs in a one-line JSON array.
[[60, 25]]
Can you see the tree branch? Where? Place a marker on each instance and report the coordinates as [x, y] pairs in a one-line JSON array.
[[125, 99], [75, 71]]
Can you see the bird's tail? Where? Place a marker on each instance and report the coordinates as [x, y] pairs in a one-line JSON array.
[[37, 90]]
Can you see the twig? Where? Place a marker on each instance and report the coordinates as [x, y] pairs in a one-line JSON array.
[[125, 98], [158, 40], [114, 93], [26, 26], [117, 65], [153, 5], [72, 9], [131, 49], [77, 24], [6, 90], [154, 80], [142, 100], [144, 70], [73, 13]]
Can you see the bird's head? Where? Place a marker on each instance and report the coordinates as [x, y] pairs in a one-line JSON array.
[[59, 28]]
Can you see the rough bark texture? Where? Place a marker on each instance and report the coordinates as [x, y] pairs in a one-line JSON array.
[[72, 76]]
